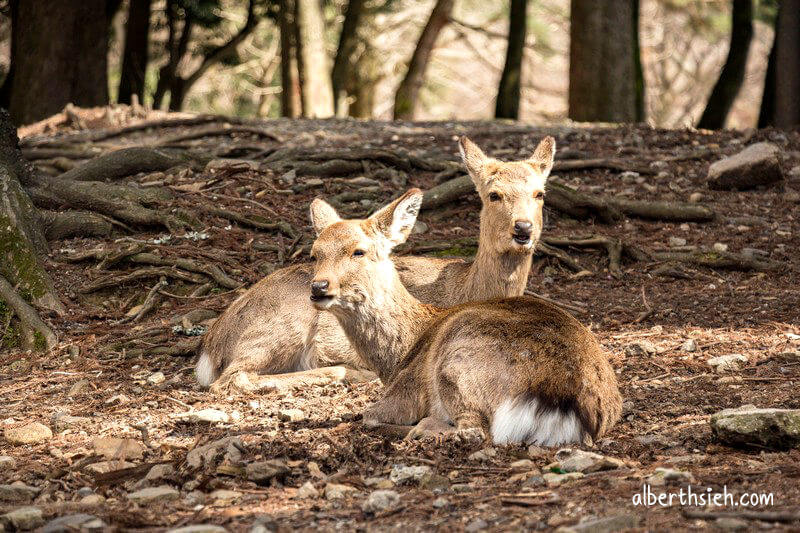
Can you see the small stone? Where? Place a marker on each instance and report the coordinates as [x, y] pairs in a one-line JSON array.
[[153, 494], [114, 448], [314, 182], [677, 241], [440, 502], [523, 465], [757, 164], [608, 524], [158, 472], [554, 480], [7, 461], [17, 492], [78, 388], [727, 523], [381, 500], [754, 253], [335, 491], [104, 467], [93, 499], [477, 525], [462, 488], [378, 483], [156, 378], [402, 474], [75, 522], [210, 416], [208, 454], [727, 363], [695, 198], [689, 345], [292, 415], [483, 455], [306, 491], [61, 421], [262, 472], [24, 518], [656, 440], [720, 247], [419, 228], [225, 495], [32, 433], [748, 425], [574, 460], [198, 528], [640, 349], [662, 475]]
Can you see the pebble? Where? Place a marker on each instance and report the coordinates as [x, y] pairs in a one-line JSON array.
[[522, 465], [728, 523], [151, 494], [156, 378], [24, 518], [205, 455], [381, 500], [574, 460], [727, 363], [379, 482], [158, 472], [689, 345], [440, 502], [292, 415], [677, 241], [404, 474], [554, 480], [748, 425], [477, 525], [210, 416], [482, 455], [662, 475], [32, 433], [754, 253], [224, 495], [695, 198], [17, 492], [720, 247], [462, 488], [7, 461], [114, 448], [262, 472], [75, 522], [93, 499], [419, 228], [641, 348], [104, 467], [336, 491], [78, 388], [306, 491]]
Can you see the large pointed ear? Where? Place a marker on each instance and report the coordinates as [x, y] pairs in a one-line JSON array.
[[396, 220], [473, 157], [544, 155], [322, 215]]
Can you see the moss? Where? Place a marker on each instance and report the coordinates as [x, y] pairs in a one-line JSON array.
[[9, 336], [39, 342]]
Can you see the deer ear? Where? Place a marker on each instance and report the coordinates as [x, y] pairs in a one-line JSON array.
[[543, 156], [396, 220], [322, 215], [474, 159]]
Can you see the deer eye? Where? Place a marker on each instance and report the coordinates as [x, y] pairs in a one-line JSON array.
[[538, 195], [358, 253], [494, 197]]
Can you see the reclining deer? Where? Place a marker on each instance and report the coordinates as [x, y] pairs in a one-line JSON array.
[[274, 329], [519, 369]]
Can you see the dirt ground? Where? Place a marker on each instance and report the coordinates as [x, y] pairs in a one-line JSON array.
[[103, 379]]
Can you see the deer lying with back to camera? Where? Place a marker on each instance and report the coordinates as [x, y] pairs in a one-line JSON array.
[[519, 369], [274, 329]]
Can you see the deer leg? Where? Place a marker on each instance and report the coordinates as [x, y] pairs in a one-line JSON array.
[[246, 381], [401, 403]]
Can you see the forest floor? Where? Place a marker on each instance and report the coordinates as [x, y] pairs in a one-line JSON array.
[[113, 377]]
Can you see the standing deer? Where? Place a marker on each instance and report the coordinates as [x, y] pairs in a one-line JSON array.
[[519, 369], [274, 329]]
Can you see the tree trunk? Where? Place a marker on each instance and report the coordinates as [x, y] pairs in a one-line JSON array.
[[291, 103], [732, 75], [780, 106], [47, 72], [405, 100], [316, 88], [641, 113], [134, 56], [508, 93], [343, 64], [602, 61]]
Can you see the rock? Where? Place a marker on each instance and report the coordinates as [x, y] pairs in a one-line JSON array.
[[198, 528], [402, 474], [7, 462], [440, 502], [554, 480], [61, 421], [23, 519], [210, 453], [79, 387], [314, 182], [476, 525], [754, 253], [523, 465], [656, 439], [695, 198], [639, 349], [156, 378], [462, 488], [32, 433], [93, 499], [662, 475], [224, 495], [104, 467], [210, 416], [114, 448], [720, 247], [17, 492], [607, 524], [378, 483], [381, 500], [419, 228], [154, 494], [292, 415], [483, 455], [689, 345], [262, 472], [574, 460], [306, 491], [335, 491], [772, 428], [74, 522], [728, 523], [677, 241], [727, 363], [434, 483], [158, 472], [755, 165]]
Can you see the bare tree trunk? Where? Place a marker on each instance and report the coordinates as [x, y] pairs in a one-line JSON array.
[[47, 73], [316, 88], [134, 56], [732, 74], [787, 65], [343, 63], [637, 61], [405, 100], [602, 61], [766, 114], [508, 93], [291, 103]]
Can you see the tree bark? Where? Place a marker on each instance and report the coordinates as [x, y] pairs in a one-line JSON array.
[[641, 112], [508, 94], [134, 55], [602, 61], [732, 74], [316, 88], [47, 73], [343, 65], [291, 102], [405, 100], [780, 106]]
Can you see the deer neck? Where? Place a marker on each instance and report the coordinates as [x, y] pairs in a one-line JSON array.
[[386, 325], [496, 274]]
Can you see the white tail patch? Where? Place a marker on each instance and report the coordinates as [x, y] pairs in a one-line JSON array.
[[205, 372], [518, 421]]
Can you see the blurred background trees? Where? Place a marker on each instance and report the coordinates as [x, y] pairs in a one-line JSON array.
[[668, 62]]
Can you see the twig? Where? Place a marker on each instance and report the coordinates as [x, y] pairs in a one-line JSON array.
[[150, 302], [648, 310]]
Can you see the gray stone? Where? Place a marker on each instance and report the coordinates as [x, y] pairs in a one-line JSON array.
[[292, 415], [523, 465], [152, 494], [640, 349], [225, 495], [402, 474], [62, 421], [695, 198], [574, 460], [7, 461], [23, 519], [104, 467], [773, 428], [306, 491], [754, 253], [381, 500], [677, 241], [74, 522], [262, 472], [462, 488], [483, 455], [690, 345], [158, 472], [379, 483], [720, 247], [335, 491], [210, 416], [755, 165], [606, 524], [440, 502], [93, 499], [476, 525], [728, 363], [199, 528], [114, 448], [727, 523], [209, 454], [32, 433], [17, 492], [79, 387], [156, 378], [662, 475], [554, 480]]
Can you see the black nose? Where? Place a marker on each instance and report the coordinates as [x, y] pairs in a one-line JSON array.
[[319, 288], [522, 227]]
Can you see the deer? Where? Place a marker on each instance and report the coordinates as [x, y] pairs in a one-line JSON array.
[[520, 369], [270, 337]]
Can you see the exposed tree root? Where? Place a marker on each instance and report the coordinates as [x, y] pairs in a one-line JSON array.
[[720, 260], [543, 248], [612, 246], [136, 275], [216, 131], [151, 301], [59, 225], [212, 271], [26, 313], [282, 226], [124, 162], [669, 211]]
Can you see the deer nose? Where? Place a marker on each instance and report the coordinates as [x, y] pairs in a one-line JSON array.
[[522, 227], [319, 288]]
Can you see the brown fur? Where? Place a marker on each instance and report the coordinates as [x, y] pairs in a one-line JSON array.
[[459, 364], [273, 329]]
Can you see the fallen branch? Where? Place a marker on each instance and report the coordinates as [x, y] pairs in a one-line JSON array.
[[721, 260], [26, 313], [670, 211]]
